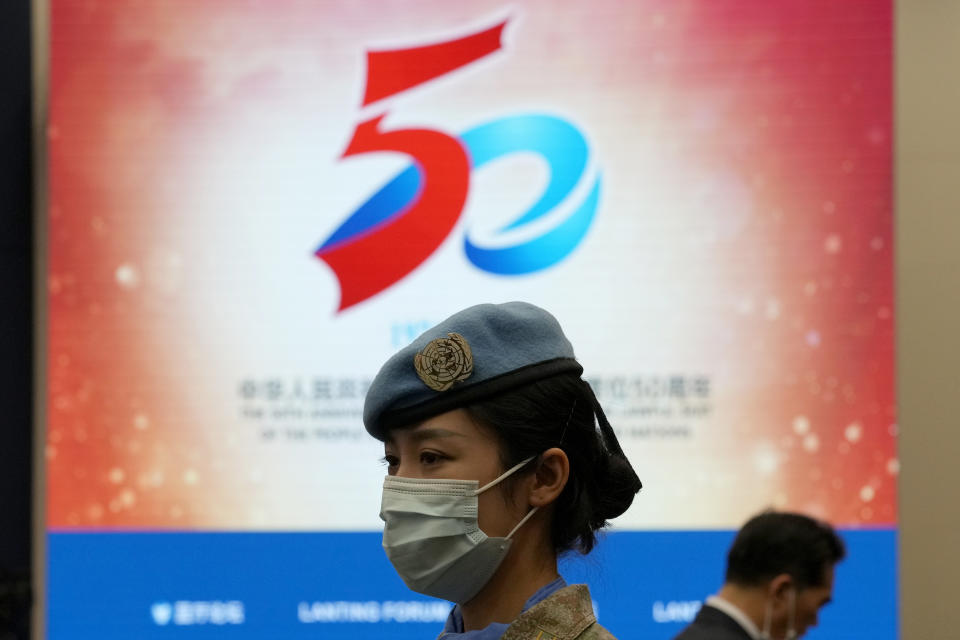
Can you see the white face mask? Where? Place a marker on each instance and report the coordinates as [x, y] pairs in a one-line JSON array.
[[432, 538], [791, 632]]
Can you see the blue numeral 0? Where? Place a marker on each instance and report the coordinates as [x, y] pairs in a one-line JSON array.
[[565, 151]]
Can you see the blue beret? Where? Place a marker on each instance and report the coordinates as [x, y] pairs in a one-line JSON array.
[[474, 354]]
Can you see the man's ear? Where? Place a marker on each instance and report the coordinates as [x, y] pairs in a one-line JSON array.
[[779, 586], [550, 477]]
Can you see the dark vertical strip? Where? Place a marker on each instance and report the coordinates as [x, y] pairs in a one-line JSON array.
[[16, 318]]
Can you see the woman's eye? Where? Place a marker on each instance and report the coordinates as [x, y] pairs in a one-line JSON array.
[[429, 457], [391, 462]]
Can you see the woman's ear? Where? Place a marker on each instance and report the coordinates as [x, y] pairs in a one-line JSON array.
[[550, 477]]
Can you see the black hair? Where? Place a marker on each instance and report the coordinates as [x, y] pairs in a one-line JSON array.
[[562, 411], [773, 543]]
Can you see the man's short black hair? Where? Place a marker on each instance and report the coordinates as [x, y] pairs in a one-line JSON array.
[[773, 543]]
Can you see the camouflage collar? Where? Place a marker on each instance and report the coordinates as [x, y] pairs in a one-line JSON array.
[[563, 616]]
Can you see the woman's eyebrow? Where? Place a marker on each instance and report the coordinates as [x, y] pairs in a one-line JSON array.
[[420, 435], [430, 433]]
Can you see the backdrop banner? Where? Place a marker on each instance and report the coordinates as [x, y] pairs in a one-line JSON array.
[[254, 204]]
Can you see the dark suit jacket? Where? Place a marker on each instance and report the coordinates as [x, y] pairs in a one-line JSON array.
[[713, 624]]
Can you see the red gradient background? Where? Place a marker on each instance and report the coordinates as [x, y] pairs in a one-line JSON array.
[[746, 232]]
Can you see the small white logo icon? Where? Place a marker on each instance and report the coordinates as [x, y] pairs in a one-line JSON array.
[[161, 611]]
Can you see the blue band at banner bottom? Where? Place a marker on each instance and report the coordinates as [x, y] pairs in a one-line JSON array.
[[339, 585]]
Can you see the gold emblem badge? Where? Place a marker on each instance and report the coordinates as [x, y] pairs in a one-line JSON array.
[[444, 362]]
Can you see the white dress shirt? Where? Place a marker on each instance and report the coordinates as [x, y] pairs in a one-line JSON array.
[[739, 616]]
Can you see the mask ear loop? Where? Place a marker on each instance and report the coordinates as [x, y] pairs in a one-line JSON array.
[[498, 479], [792, 615], [522, 521], [791, 632], [767, 619], [503, 475]]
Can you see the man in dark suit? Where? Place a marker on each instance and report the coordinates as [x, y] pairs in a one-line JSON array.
[[779, 574]]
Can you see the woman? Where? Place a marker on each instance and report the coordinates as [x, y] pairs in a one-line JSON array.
[[499, 459]]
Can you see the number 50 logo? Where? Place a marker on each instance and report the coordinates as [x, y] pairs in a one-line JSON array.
[[403, 223]]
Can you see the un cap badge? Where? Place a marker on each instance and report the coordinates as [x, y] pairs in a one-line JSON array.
[[444, 361]]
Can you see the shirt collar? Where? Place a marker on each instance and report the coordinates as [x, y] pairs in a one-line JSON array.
[[734, 612], [453, 629]]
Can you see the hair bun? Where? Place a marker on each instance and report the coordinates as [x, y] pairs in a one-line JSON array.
[[616, 485]]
